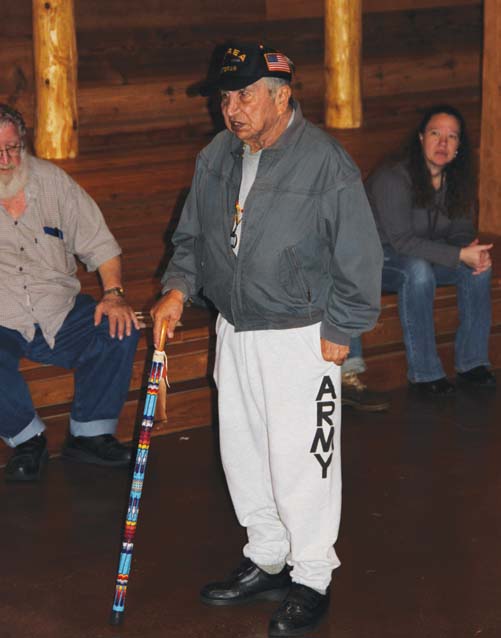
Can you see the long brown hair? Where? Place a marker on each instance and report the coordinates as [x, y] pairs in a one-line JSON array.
[[460, 174]]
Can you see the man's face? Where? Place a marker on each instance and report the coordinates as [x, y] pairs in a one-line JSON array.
[[252, 114], [10, 155]]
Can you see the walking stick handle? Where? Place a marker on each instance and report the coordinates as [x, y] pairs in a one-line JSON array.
[[163, 336]]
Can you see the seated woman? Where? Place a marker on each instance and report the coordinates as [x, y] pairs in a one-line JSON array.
[[424, 208]]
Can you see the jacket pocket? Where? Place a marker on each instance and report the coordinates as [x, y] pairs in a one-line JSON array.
[[292, 278]]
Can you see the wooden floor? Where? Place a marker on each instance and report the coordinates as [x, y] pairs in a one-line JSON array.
[[419, 539]]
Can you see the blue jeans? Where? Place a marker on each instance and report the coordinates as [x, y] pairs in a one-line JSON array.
[[102, 366], [355, 362], [415, 281]]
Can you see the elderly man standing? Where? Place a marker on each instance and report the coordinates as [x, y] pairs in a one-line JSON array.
[[46, 219], [278, 233]]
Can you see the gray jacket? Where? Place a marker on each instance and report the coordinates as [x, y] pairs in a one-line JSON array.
[[309, 250], [427, 233]]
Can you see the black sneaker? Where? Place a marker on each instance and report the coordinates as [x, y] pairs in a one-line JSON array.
[[28, 460], [302, 611], [479, 376], [248, 582], [354, 394], [97, 450]]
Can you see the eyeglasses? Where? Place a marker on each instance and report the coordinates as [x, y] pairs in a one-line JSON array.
[[11, 151]]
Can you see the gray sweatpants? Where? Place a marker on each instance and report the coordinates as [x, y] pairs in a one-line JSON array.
[[280, 426]]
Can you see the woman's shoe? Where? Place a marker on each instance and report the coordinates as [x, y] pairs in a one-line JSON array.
[[437, 388], [479, 376]]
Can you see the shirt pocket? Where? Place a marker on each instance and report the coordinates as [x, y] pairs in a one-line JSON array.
[[52, 252]]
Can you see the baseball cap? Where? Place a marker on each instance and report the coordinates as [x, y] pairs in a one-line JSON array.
[[245, 64]]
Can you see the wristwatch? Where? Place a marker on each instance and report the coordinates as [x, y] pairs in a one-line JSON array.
[[114, 291]]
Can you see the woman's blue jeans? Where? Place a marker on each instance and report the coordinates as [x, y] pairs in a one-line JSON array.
[[415, 281], [102, 367]]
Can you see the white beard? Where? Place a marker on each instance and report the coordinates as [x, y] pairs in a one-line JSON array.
[[13, 183]]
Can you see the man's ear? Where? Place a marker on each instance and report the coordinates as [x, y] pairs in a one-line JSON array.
[[282, 99]]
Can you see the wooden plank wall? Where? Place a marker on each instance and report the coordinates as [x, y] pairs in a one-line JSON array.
[[137, 63], [137, 60], [140, 129]]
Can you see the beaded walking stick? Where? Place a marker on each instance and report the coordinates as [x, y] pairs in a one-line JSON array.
[[157, 372]]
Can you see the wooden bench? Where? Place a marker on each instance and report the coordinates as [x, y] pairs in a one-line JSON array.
[[384, 349], [191, 396]]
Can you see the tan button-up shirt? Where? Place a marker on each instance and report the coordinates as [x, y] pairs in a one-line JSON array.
[[38, 282]]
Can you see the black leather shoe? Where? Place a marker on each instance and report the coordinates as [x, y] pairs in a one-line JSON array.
[[479, 376], [302, 611], [28, 460], [438, 388], [248, 582], [97, 450]]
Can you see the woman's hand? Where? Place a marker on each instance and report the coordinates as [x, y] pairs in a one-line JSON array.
[[476, 256]]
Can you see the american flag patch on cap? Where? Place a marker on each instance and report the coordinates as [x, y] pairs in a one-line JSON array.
[[277, 62]]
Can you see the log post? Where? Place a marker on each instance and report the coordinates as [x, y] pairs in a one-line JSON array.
[[55, 53], [343, 45], [490, 143]]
